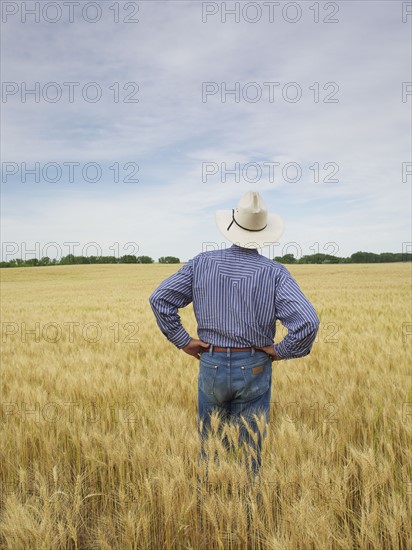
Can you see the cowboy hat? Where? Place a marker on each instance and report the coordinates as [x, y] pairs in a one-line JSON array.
[[249, 225]]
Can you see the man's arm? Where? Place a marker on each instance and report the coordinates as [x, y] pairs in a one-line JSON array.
[[173, 293], [298, 315]]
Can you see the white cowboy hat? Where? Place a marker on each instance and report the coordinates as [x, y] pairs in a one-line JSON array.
[[249, 225]]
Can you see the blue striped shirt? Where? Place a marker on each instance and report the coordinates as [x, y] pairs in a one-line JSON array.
[[237, 296]]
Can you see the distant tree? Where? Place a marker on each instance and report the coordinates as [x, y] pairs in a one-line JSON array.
[[81, 260], [32, 262], [286, 259], [169, 260], [94, 259], [45, 261], [128, 259], [144, 260], [69, 259], [110, 260], [364, 257], [388, 257], [319, 258]]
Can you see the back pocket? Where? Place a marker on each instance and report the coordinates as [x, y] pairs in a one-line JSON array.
[[207, 376], [257, 378]]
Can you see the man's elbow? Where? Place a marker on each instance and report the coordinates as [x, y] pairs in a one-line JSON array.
[[311, 336], [314, 326], [154, 300], [306, 344]]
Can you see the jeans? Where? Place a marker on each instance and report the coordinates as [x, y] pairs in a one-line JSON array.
[[235, 385]]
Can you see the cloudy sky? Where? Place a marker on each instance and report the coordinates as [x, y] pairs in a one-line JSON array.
[[132, 122]]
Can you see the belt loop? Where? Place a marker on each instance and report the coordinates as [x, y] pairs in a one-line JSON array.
[[211, 349], [228, 352], [253, 351]]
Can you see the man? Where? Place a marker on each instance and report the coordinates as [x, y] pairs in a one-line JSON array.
[[237, 296]]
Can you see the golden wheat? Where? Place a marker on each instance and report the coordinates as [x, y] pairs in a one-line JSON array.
[[99, 420]]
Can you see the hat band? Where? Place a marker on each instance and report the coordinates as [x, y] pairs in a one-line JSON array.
[[241, 226]]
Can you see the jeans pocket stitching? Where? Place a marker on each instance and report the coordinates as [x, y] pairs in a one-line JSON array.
[[204, 375], [252, 389]]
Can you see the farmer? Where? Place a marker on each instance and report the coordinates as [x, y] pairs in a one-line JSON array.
[[237, 294]]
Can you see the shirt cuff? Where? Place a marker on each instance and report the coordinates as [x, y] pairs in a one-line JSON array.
[[181, 338], [281, 351]]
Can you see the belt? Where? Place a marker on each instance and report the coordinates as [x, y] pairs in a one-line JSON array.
[[217, 348]]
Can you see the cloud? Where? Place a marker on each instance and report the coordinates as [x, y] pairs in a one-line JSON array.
[[361, 61]]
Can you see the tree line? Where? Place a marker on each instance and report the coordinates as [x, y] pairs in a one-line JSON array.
[[356, 258], [71, 259]]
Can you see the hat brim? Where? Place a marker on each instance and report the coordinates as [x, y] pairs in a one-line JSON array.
[[249, 239]]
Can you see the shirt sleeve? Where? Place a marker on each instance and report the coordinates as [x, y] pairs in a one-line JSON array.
[[297, 314], [173, 293]]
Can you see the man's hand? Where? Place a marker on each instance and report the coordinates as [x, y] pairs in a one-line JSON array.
[[194, 347], [270, 350]]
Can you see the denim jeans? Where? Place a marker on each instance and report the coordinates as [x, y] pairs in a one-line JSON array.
[[235, 384]]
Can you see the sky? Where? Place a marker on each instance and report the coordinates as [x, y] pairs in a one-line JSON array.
[[126, 125]]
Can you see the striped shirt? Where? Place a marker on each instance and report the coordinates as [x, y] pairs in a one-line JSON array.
[[237, 296]]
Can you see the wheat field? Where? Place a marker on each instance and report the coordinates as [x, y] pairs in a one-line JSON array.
[[99, 420]]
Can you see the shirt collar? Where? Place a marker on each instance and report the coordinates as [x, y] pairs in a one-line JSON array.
[[237, 248]]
